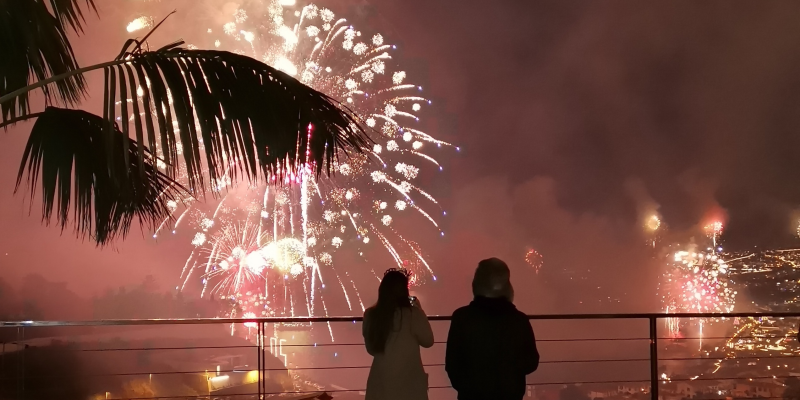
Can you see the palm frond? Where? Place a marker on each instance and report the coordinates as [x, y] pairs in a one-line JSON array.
[[69, 12], [219, 113], [68, 151], [224, 113], [34, 45]]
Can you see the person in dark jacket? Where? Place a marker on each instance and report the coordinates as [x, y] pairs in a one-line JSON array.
[[491, 347]]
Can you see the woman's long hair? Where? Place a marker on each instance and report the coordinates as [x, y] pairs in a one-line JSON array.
[[392, 296]]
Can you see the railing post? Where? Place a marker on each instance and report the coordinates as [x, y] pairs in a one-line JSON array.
[[653, 358], [261, 361], [20, 348]]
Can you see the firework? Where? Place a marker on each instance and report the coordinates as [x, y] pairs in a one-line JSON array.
[[653, 228], [796, 222], [696, 282], [272, 249], [714, 231], [534, 259], [652, 223]]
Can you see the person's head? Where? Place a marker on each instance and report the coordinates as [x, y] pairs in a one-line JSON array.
[[393, 290], [493, 280], [392, 296]]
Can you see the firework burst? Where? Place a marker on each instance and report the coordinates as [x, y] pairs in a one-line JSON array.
[[714, 231], [534, 259], [652, 223], [696, 282], [274, 248]]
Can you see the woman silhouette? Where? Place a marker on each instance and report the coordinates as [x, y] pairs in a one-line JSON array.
[[394, 329]]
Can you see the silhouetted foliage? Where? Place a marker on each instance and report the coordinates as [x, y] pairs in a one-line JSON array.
[[38, 299], [145, 301], [47, 372], [233, 115], [34, 44]]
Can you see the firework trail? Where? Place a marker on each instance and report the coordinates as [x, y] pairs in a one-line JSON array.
[[714, 231], [273, 249]]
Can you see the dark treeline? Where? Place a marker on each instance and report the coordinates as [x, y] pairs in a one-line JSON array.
[[61, 370], [45, 363], [40, 299], [37, 299]]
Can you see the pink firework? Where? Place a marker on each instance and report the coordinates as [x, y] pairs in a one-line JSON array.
[[534, 259]]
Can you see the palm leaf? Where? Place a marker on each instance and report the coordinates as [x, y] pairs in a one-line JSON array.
[[69, 12], [219, 113], [223, 113], [34, 45], [68, 151]]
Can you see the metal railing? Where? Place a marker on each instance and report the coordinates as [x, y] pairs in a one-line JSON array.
[[201, 349]]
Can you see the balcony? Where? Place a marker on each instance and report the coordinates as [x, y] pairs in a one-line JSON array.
[[615, 356]]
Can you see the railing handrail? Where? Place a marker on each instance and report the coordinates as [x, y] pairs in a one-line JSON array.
[[289, 320]]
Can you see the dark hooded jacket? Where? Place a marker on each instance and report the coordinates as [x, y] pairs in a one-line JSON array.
[[490, 349]]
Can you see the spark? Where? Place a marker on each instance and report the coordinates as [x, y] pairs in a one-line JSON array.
[[199, 239], [398, 77], [229, 28], [367, 76], [240, 16], [248, 36], [408, 171], [312, 31], [285, 65], [359, 49], [139, 23]]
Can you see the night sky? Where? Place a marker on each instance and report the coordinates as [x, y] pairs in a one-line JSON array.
[[695, 103], [574, 118]]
